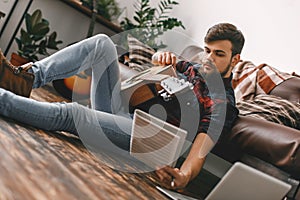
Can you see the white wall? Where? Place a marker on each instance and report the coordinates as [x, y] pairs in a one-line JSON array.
[[271, 27]]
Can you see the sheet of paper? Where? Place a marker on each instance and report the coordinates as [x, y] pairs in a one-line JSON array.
[[154, 141]]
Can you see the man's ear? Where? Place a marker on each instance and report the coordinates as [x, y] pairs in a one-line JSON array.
[[235, 59]]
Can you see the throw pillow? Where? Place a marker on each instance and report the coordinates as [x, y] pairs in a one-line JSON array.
[[140, 54], [249, 80]]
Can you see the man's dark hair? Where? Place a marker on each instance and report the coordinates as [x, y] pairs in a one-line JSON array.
[[226, 31]]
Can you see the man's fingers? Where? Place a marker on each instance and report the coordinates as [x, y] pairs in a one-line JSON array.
[[159, 59], [163, 175], [171, 171], [174, 60], [175, 173], [164, 58], [168, 59], [171, 178], [158, 173]]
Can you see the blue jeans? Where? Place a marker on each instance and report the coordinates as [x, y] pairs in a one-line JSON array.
[[104, 121]]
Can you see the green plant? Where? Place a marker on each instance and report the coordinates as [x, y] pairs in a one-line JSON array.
[[36, 40], [108, 9], [150, 23]]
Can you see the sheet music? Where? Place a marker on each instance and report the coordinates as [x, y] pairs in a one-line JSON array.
[[155, 142]]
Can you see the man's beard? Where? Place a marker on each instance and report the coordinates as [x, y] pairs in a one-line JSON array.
[[213, 70], [225, 71]]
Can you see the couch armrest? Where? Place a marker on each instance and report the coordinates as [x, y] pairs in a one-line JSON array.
[[289, 89], [271, 142]]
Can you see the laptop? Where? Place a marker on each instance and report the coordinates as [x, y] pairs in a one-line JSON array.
[[241, 182]]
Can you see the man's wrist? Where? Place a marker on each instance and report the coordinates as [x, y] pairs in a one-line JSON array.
[[188, 176]]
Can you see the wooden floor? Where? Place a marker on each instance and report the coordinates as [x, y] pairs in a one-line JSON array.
[[55, 165]]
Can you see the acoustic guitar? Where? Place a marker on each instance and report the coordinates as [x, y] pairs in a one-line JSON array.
[[78, 85], [134, 90]]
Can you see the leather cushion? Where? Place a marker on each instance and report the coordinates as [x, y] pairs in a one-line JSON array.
[[271, 142], [289, 89]]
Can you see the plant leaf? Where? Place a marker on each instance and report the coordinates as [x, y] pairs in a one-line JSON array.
[[28, 22], [40, 29], [36, 17]]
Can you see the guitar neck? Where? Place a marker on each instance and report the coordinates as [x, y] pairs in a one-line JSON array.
[[154, 75], [135, 90]]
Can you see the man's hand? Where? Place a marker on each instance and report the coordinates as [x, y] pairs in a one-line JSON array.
[[172, 178], [190, 167], [164, 58]]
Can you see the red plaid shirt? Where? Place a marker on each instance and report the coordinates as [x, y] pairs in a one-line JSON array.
[[210, 102]]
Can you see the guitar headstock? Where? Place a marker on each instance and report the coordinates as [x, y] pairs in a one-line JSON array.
[[172, 86]]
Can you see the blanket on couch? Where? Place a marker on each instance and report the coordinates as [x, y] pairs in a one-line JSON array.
[[272, 108], [252, 85], [249, 80]]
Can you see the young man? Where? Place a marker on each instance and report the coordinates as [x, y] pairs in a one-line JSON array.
[[223, 45]]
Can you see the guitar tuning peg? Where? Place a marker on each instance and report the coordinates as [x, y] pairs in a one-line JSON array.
[[165, 96], [161, 91]]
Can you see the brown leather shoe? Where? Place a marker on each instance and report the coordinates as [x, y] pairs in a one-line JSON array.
[[15, 79]]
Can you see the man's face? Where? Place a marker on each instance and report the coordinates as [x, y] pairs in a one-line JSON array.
[[218, 56]]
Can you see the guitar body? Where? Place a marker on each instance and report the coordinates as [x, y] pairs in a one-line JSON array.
[[79, 85]]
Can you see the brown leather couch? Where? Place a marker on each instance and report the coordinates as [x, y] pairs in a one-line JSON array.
[[267, 146], [274, 143]]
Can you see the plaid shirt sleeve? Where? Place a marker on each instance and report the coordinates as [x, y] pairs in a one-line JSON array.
[[182, 66]]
